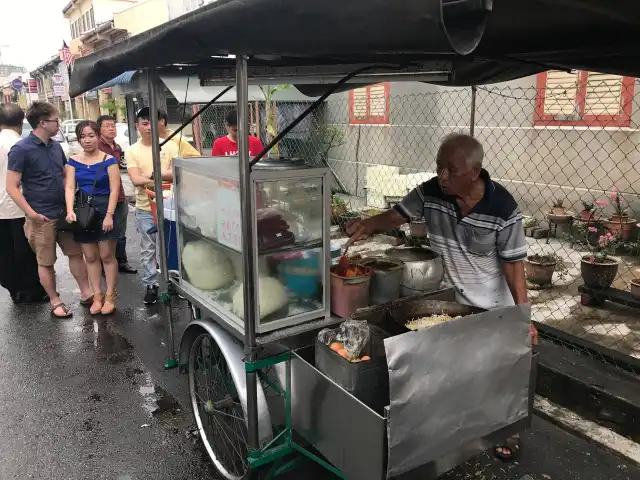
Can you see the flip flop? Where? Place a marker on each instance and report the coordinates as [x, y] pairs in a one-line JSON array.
[[87, 302], [509, 450], [67, 311]]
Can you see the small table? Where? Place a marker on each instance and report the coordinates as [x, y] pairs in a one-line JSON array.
[[555, 220]]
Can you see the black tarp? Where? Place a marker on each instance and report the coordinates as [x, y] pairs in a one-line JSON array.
[[487, 40]]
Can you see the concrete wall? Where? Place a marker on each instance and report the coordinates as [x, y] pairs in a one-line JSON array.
[[142, 16], [537, 164]]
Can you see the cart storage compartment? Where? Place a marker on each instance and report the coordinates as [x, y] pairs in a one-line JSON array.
[[368, 381]]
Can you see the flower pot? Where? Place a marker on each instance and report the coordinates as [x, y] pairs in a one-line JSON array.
[[559, 211], [597, 274], [585, 215], [620, 226], [635, 287], [539, 273]]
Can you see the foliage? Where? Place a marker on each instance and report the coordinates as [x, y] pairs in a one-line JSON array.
[[605, 247], [558, 203], [551, 258], [113, 107], [618, 203], [336, 200], [272, 128], [586, 206], [327, 137]]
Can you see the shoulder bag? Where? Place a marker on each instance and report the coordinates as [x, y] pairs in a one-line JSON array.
[[86, 214]]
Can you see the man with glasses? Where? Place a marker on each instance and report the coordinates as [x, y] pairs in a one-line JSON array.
[[108, 145], [37, 164]]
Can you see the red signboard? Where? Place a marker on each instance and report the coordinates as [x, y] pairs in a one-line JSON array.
[[33, 85]]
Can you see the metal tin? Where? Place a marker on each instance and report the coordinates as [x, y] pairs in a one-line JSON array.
[[280, 163], [386, 279], [423, 269]]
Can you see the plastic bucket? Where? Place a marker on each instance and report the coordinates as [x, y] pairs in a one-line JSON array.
[[348, 294]]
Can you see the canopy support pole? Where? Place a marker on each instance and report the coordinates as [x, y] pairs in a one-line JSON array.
[[152, 82], [248, 252], [472, 119]]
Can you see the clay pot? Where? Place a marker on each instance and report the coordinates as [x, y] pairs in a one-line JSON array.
[[598, 275], [585, 215], [635, 287], [539, 273], [620, 226], [559, 211]]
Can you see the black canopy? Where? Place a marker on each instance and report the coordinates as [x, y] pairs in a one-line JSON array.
[[480, 41]]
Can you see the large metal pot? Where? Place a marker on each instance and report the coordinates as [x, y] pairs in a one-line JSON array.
[[423, 269]]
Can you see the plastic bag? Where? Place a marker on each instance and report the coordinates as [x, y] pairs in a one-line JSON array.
[[354, 335], [327, 336]]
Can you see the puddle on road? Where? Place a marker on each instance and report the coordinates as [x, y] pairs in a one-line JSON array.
[[158, 403]]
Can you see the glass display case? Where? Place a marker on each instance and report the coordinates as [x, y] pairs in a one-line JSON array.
[[290, 239]]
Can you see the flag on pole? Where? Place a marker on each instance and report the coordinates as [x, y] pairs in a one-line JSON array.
[[67, 56]]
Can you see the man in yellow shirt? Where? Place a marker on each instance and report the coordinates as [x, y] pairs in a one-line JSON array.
[[140, 169], [185, 148]]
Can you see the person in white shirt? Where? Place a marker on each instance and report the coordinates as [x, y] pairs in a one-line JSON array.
[[18, 265]]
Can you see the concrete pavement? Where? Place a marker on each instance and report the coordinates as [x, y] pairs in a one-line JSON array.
[[87, 398]]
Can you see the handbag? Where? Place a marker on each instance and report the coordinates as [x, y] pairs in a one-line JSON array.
[[86, 214]]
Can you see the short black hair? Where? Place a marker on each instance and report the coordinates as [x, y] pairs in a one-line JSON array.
[[39, 111], [232, 118], [104, 118], [144, 114], [11, 115], [86, 123]]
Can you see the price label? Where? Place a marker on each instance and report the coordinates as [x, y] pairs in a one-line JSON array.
[[228, 223]]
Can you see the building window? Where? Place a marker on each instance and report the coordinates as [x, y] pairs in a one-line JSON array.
[[583, 99], [369, 105], [92, 20]]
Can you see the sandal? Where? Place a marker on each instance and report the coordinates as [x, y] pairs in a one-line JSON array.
[[509, 450], [87, 301], [65, 309], [109, 305], [96, 306]]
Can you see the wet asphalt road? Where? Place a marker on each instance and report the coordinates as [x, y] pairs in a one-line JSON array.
[[88, 398]]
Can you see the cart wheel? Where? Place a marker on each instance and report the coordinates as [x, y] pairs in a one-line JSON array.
[[217, 409]]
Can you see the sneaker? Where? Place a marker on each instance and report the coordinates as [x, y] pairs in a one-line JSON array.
[[151, 296]]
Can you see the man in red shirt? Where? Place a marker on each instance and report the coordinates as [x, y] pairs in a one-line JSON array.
[[228, 146], [108, 132]]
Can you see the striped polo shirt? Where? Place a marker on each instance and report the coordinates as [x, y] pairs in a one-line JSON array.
[[472, 247]]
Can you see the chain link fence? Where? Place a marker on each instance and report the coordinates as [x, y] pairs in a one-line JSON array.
[[568, 150]]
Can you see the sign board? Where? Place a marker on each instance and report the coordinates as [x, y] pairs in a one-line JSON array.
[[33, 85], [58, 85], [16, 83], [228, 217]]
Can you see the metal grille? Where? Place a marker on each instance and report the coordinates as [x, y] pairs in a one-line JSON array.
[[557, 138]]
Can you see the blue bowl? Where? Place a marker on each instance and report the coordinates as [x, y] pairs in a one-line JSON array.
[[302, 275]]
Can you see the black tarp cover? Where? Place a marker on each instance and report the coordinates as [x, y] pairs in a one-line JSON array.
[[487, 40]]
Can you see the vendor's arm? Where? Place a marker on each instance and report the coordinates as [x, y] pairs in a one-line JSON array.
[[512, 249], [411, 206]]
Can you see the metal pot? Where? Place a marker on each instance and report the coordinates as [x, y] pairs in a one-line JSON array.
[[423, 269], [386, 279]]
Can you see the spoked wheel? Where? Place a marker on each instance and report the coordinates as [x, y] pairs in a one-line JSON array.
[[217, 409]]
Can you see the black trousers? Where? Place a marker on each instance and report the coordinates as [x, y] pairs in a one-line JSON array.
[[18, 265], [122, 212]]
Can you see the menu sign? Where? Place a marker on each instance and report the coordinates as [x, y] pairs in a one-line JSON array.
[[228, 224]]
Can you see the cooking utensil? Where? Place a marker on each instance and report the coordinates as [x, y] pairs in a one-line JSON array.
[[423, 269]]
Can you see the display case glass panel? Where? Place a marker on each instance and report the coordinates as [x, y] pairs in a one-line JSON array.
[[290, 225]]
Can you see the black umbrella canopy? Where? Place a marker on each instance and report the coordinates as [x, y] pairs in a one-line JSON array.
[[484, 41]]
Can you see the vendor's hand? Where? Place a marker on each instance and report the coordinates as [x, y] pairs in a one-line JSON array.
[[533, 331], [359, 230], [71, 217], [36, 217], [107, 225]]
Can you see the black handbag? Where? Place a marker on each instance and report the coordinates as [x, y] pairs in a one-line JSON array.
[[86, 214]]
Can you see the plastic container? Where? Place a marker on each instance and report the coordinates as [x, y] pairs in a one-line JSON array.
[[348, 294], [152, 200], [302, 275], [368, 381], [385, 280]]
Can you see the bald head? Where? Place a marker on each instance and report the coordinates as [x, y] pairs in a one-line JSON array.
[[459, 163], [11, 116]]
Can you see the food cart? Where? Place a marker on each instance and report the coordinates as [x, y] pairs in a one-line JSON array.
[[261, 385]]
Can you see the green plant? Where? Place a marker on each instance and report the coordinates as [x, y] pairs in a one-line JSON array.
[[327, 137], [272, 128], [605, 247], [558, 203], [616, 198], [587, 207], [336, 200], [113, 107], [551, 258]]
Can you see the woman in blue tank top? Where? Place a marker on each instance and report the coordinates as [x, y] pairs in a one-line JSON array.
[[99, 243]]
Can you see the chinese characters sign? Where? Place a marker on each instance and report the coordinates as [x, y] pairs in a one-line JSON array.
[[228, 225]]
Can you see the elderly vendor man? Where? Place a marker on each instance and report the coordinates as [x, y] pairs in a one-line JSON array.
[[475, 225]]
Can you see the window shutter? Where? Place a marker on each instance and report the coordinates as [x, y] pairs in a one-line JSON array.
[[377, 101], [603, 94], [560, 94], [360, 103]]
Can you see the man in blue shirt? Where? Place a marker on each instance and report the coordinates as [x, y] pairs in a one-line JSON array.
[[37, 164]]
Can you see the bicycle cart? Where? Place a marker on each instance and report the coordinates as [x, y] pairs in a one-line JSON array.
[[265, 388]]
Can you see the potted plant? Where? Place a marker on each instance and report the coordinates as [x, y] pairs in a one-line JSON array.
[[635, 287], [599, 268], [558, 208], [619, 224], [587, 209], [338, 207], [540, 268]]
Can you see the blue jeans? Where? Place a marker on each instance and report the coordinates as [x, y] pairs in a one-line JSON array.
[[147, 248]]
